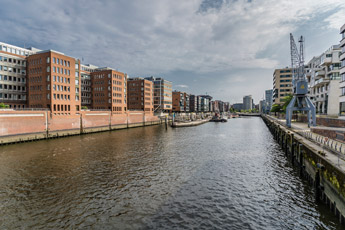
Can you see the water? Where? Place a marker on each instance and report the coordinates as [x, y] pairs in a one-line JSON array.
[[214, 176]]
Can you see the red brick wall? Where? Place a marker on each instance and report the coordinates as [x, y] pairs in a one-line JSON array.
[[22, 122], [28, 122]]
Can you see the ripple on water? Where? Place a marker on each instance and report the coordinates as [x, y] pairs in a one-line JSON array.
[[214, 176]]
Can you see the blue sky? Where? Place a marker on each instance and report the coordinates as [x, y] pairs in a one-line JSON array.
[[227, 48]]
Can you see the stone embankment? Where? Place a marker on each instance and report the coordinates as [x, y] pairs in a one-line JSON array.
[[22, 126], [320, 166]]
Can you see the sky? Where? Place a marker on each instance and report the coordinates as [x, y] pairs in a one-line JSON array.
[[225, 48]]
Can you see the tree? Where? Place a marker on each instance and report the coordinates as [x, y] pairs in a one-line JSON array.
[[286, 101], [3, 106], [276, 108]]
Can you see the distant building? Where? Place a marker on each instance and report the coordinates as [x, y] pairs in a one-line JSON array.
[[86, 84], [342, 72], [237, 107], [193, 103], [248, 102], [140, 94], [262, 106], [203, 103], [109, 90], [162, 94], [178, 101], [268, 101], [282, 84], [13, 75]]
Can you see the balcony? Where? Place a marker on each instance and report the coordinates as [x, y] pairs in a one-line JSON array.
[[319, 74], [342, 42], [320, 99], [342, 56], [326, 61], [322, 81]]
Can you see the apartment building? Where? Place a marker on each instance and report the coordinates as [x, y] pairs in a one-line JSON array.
[[323, 79], [193, 103], [53, 82], [109, 90], [282, 84], [204, 103], [342, 72], [178, 101], [268, 101], [13, 76], [186, 102], [140, 94], [248, 102], [86, 84], [162, 94]]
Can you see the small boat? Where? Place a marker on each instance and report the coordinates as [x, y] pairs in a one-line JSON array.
[[218, 119]]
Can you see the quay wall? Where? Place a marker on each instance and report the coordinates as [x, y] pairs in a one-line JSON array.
[[313, 164], [20, 126]]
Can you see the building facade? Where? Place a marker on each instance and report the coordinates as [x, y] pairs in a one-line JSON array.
[[162, 94], [193, 103], [237, 107], [178, 101], [342, 72], [53, 82], [268, 101], [282, 84], [13, 75], [109, 90], [323, 78], [248, 102], [140, 94], [86, 85]]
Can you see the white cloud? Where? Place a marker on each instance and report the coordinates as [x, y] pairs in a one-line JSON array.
[[182, 86], [150, 37]]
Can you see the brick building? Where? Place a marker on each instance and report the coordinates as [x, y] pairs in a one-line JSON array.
[[178, 101], [53, 82], [140, 94], [109, 90]]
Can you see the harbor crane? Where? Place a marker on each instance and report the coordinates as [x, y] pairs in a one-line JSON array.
[[300, 100]]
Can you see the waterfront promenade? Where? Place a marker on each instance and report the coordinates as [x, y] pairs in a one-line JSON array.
[[334, 150]]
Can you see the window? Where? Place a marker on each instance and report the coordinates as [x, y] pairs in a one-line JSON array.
[[48, 69], [48, 59], [54, 60]]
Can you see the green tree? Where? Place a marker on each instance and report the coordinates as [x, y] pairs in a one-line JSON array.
[[3, 106], [286, 101], [276, 108]]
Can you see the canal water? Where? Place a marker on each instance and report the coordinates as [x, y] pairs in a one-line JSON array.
[[215, 176]]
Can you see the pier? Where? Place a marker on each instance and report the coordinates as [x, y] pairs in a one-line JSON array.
[[319, 163]]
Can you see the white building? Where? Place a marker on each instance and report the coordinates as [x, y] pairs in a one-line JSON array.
[[13, 91], [323, 77], [247, 102], [342, 72]]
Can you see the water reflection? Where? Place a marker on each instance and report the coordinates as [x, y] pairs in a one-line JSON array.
[[226, 176]]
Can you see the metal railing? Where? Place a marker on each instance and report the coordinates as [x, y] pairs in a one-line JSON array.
[[325, 142]]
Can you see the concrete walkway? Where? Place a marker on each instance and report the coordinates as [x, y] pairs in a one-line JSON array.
[[334, 150]]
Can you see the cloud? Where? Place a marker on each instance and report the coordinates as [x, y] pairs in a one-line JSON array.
[[159, 37], [182, 86]]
